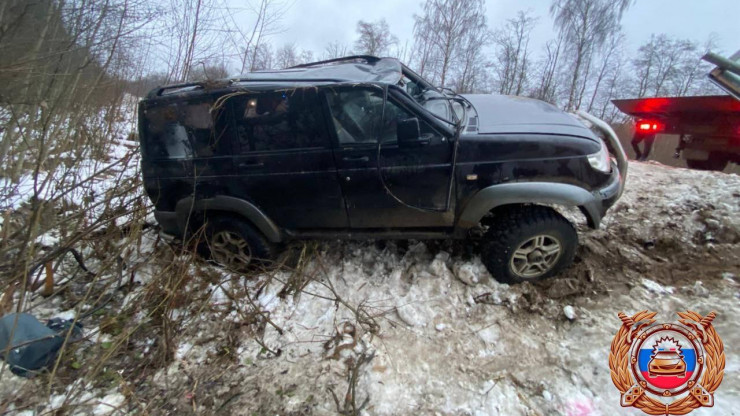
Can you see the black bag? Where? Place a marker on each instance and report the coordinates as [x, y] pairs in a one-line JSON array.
[[28, 346]]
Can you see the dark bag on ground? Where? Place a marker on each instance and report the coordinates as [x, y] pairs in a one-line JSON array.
[[28, 346]]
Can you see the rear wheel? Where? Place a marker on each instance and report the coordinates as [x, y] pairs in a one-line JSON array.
[[528, 243], [716, 162], [235, 244]]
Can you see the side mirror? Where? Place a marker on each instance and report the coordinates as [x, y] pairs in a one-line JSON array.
[[407, 131]]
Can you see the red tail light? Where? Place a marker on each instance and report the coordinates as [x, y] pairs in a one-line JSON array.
[[649, 126]]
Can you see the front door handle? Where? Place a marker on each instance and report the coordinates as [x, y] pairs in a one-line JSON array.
[[356, 159]]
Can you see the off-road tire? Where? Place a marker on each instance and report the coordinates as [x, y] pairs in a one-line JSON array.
[[512, 227], [716, 162], [260, 249]]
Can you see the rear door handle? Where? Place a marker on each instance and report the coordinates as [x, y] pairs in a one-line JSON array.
[[250, 164], [356, 159]]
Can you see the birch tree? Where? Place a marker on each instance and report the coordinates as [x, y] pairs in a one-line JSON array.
[[547, 87], [442, 32], [375, 38], [585, 26], [513, 57], [668, 66], [336, 49]]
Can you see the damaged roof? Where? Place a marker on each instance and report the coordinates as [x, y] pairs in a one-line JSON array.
[[349, 69], [360, 69]]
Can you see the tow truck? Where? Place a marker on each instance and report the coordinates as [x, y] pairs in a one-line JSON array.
[[708, 126]]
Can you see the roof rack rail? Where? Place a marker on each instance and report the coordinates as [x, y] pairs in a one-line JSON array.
[[367, 58], [160, 90], [286, 80]]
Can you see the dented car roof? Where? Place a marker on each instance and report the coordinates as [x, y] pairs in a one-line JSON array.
[[381, 70], [359, 69]]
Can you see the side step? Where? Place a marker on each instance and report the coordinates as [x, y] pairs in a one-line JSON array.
[[370, 234]]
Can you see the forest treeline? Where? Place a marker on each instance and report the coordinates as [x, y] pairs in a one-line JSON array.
[[141, 44]]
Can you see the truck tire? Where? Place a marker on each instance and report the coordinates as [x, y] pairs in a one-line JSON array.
[[528, 243], [716, 162], [235, 244]]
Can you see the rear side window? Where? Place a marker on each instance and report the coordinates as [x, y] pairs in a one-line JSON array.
[[281, 120], [180, 130]]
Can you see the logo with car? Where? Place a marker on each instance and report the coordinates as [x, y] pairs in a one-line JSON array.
[[667, 368]]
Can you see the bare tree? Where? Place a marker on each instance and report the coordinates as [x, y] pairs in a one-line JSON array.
[[425, 54], [57, 124], [546, 89], [192, 34], [208, 71], [470, 72], [667, 66], [512, 64], [585, 25], [247, 43], [261, 57], [403, 53], [690, 73], [441, 32], [286, 56], [614, 89], [336, 50], [609, 53], [375, 38], [305, 57]]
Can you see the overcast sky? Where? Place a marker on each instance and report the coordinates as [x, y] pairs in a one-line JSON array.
[[311, 24]]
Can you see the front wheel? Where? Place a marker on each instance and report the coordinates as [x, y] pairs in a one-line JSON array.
[[528, 243]]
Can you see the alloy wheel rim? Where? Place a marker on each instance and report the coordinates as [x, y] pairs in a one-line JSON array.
[[535, 256], [230, 250]]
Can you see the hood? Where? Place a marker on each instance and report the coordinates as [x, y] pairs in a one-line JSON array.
[[513, 114]]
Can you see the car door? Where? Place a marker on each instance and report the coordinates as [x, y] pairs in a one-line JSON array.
[[398, 185], [284, 160]]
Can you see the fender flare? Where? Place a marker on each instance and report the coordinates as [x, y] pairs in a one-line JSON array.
[[529, 193], [238, 206]]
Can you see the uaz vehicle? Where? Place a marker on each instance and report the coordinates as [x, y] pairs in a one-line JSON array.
[[364, 148]]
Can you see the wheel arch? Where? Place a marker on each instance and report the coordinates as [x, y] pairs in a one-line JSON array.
[[187, 207], [538, 193]]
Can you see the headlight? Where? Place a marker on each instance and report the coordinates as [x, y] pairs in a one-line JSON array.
[[600, 161]]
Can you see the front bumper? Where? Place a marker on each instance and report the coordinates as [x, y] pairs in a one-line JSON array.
[[603, 198], [606, 196], [614, 145]]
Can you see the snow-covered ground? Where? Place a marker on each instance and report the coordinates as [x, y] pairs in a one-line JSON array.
[[421, 327]]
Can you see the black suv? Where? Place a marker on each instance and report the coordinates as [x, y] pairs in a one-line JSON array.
[[364, 148]]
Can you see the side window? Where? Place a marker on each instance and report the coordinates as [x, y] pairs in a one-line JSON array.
[[279, 121], [198, 121], [165, 136], [394, 114], [357, 113], [180, 131]]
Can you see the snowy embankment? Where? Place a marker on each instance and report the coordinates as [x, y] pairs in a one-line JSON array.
[[422, 328]]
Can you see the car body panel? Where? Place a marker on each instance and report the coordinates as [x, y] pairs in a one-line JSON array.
[[514, 114]]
